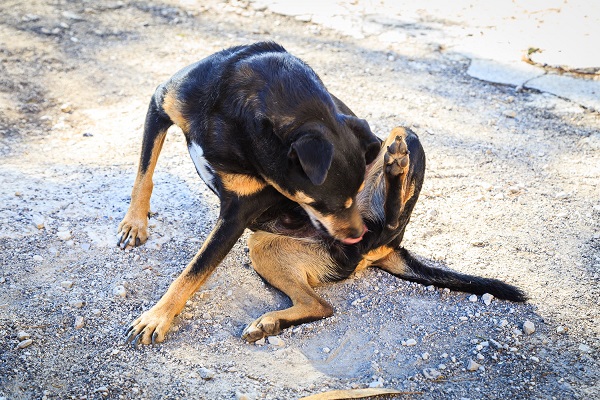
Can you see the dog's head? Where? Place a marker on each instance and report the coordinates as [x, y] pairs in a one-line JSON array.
[[326, 169]]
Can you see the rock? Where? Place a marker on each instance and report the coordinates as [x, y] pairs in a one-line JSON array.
[[534, 358], [38, 258], [472, 365], [38, 221], [431, 373], [76, 303], [24, 343], [245, 396], [119, 291], [509, 113], [425, 356], [206, 373], [326, 350], [528, 327], [260, 342], [487, 299], [585, 348], [376, 384], [64, 235], [67, 284], [79, 322], [473, 298], [410, 342], [275, 341], [560, 329], [22, 335], [480, 356], [66, 108], [509, 73]]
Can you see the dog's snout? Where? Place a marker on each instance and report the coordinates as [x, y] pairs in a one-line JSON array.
[[356, 236]]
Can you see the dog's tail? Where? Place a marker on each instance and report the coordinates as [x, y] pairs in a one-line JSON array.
[[407, 267]]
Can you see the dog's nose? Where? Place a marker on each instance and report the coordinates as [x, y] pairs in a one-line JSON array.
[[357, 238]]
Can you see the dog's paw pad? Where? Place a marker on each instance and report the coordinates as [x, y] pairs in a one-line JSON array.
[[397, 157]]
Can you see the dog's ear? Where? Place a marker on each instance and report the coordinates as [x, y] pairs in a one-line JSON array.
[[315, 155], [369, 142]]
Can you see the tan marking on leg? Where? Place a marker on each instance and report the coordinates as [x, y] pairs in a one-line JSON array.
[[292, 266], [172, 107], [243, 185], [135, 222], [373, 256]]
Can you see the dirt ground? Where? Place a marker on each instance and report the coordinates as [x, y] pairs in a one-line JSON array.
[[511, 192]]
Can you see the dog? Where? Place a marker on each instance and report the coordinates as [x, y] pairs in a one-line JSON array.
[[266, 137], [293, 255]]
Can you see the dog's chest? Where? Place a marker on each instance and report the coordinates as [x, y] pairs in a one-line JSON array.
[[203, 168]]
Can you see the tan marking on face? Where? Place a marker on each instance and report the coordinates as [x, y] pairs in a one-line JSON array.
[[243, 185], [348, 203], [172, 107], [362, 186], [299, 197]]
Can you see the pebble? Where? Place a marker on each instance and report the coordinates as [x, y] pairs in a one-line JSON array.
[[79, 322], [67, 284], [487, 298], [206, 373], [64, 235], [560, 329], [425, 356], [326, 350], [76, 303], [480, 356], [463, 318], [472, 365], [275, 341], [585, 348], [66, 108], [473, 298], [442, 366], [509, 113], [245, 396], [38, 221], [528, 327], [534, 358], [25, 343], [260, 342], [119, 291], [23, 335], [431, 373], [410, 342], [561, 195], [38, 258], [376, 384]]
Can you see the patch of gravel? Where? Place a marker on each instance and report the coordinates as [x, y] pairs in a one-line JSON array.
[[511, 193]]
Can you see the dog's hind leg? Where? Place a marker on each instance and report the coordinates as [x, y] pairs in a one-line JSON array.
[[292, 266], [133, 229]]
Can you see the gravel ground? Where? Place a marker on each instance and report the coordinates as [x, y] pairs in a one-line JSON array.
[[511, 192]]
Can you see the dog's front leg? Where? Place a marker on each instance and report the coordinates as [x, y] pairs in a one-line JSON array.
[[235, 215]]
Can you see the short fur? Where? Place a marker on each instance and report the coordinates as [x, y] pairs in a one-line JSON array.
[[266, 136], [293, 256]]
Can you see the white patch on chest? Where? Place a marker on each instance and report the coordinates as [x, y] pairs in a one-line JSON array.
[[202, 166]]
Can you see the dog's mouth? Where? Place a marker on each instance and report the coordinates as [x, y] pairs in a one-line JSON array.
[[351, 241]]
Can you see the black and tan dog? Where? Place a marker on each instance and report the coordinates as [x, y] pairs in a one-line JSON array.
[[294, 256], [266, 136]]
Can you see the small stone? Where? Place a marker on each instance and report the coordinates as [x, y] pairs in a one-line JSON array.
[[487, 299], [431, 373], [480, 356], [561, 329], [66, 108], [326, 350], [24, 343], [79, 322], [76, 303], [534, 358], [119, 291], [376, 384], [206, 373], [275, 341], [38, 258], [23, 335], [463, 318], [260, 342], [38, 221], [96, 311], [425, 356], [101, 389], [64, 235], [528, 327], [561, 195], [472, 365], [585, 348], [85, 246], [442, 366], [391, 58], [509, 113], [67, 284], [473, 298], [410, 342], [431, 288], [245, 396]]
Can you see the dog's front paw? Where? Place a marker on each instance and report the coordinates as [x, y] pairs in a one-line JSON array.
[[133, 230], [150, 328], [396, 158], [262, 327]]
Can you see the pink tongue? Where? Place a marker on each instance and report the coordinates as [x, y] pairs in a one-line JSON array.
[[356, 240]]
